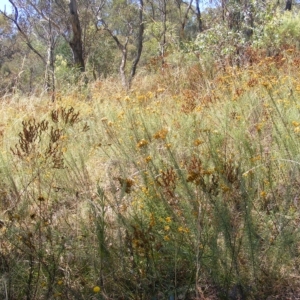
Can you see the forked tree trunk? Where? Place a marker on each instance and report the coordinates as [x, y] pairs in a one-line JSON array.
[[127, 79]]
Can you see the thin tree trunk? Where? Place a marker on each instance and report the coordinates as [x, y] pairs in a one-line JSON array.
[[123, 65], [50, 77], [199, 16], [184, 19], [164, 32], [50, 68], [139, 44], [15, 20]]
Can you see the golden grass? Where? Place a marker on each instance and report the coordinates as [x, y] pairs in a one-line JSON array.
[[151, 181]]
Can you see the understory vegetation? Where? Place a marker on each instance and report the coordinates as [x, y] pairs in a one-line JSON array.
[[187, 187], [182, 185]]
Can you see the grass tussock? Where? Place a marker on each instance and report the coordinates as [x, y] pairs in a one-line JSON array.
[[187, 187]]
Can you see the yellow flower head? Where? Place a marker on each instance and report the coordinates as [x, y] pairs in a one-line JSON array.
[[96, 289], [161, 134], [142, 143], [183, 229], [197, 142], [166, 238], [263, 194], [295, 123]]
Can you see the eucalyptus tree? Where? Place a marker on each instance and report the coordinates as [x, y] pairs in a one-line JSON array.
[[20, 17], [123, 20], [160, 26], [162, 7], [64, 17], [28, 27], [198, 15], [10, 52], [184, 9], [40, 23], [48, 34], [170, 23]]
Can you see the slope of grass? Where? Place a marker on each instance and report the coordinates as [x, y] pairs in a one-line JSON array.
[[185, 188]]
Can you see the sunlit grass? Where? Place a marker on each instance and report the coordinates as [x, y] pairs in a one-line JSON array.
[[184, 187]]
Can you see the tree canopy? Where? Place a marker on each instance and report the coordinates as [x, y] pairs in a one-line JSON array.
[[45, 43]]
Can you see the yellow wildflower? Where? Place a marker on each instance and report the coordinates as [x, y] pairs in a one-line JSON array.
[[152, 220], [263, 194], [166, 238], [295, 123], [141, 97], [198, 142], [183, 229], [297, 129], [142, 143], [96, 289], [161, 134], [148, 158]]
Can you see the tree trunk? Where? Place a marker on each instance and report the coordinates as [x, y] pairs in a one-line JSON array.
[[248, 19], [139, 44], [184, 18], [288, 5], [163, 42], [15, 19], [50, 77], [199, 16], [76, 41], [50, 68], [123, 65]]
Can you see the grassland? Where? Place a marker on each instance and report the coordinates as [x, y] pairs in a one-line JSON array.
[[186, 187]]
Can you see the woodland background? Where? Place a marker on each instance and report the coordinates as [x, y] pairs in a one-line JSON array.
[[48, 45]]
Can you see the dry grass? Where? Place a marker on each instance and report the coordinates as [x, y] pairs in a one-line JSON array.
[[185, 187]]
